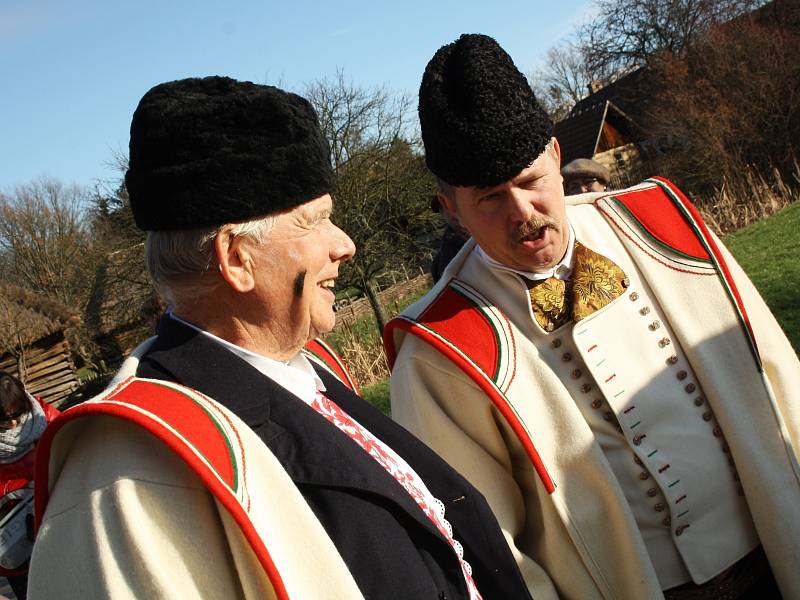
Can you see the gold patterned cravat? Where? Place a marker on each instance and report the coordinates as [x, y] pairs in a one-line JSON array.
[[595, 281]]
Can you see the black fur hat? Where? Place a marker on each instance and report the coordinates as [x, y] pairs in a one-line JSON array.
[[481, 123], [211, 151]]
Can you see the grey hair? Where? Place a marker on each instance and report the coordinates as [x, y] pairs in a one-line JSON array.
[[182, 264]]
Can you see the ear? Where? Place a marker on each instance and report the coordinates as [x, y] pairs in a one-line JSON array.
[[235, 261], [557, 148], [448, 205]]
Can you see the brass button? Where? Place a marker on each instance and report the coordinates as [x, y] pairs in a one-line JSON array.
[[556, 343], [680, 529], [652, 492], [654, 325], [682, 375], [634, 296], [663, 342], [672, 359], [707, 415], [597, 403], [637, 439], [644, 311], [690, 388], [666, 521], [699, 401], [608, 416], [660, 507], [576, 373], [626, 282], [586, 388], [644, 475], [549, 327], [566, 357], [716, 431], [637, 460]]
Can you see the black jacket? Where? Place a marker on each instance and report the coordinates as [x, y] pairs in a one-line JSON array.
[[390, 546]]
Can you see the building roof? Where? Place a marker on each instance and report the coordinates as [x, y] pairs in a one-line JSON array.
[[27, 317]]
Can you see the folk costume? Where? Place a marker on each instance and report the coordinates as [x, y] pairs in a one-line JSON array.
[[210, 471], [633, 418]]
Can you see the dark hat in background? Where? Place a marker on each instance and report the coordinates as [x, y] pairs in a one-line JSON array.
[[211, 151], [587, 168], [481, 123]]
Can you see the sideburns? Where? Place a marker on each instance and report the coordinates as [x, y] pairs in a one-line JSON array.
[[299, 283]]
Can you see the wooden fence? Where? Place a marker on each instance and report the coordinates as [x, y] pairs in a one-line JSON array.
[[48, 372], [360, 308]]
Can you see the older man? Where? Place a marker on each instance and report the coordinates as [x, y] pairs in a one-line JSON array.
[[602, 370], [233, 464]]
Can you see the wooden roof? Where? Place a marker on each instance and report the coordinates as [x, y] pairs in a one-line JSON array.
[[26, 317]]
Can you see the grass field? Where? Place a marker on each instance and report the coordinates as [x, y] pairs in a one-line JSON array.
[[769, 252]]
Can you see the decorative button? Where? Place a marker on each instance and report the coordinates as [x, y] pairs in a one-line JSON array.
[[707, 415], [716, 431], [680, 529], [637, 439], [597, 403], [566, 357], [690, 388], [652, 492], [682, 375], [586, 388], [556, 343], [637, 460], [663, 342], [549, 327], [576, 373], [660, 507], [644, 311], [644, 475], [634, 296], [608, 416], [626, 282], [672, 359], [699, 401], [654, 325], [666, 521]]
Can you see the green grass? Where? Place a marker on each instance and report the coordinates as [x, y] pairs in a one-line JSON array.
[[769, 252], [378, 395]]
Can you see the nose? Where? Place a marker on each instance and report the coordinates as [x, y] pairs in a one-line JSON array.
[[343, 247], [521, 203]]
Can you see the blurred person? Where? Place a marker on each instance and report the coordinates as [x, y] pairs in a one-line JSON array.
[[23, 419], [585, 175], [598, 366], [226, 460]]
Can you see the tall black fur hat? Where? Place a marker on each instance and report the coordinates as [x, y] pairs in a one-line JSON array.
[[481, 123], [211, 151]]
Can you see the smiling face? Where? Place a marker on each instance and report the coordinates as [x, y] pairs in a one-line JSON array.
[[521, 223], [294, 271]]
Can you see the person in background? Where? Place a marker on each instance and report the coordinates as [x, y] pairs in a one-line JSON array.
[[453, 238], [585, 175], [597, 365], [227, 461], [23, 419]]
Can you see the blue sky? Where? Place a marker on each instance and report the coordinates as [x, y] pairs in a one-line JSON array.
[[74, 70]]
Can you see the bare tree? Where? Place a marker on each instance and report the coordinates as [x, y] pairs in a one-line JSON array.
[[383, 188], [633, 33]]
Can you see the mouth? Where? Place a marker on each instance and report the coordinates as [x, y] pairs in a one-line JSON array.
[[327, 285]]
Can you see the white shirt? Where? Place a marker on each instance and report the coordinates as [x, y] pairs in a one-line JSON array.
[[562, 270]]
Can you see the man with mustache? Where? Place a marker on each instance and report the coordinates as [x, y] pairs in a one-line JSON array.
[[225, 461], [599, 367]]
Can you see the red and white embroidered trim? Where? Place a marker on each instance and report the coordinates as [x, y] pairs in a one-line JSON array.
[[402, 472]]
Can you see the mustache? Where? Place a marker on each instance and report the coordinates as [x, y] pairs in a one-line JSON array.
[[532, 226]]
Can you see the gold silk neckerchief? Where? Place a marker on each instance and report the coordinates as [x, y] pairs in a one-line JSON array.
[[595, 281]]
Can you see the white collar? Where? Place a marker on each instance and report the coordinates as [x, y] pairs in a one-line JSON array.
[[295, 375], [560, 271]]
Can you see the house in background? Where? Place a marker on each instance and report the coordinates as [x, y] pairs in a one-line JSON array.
[[604, 126], [34, 345]]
